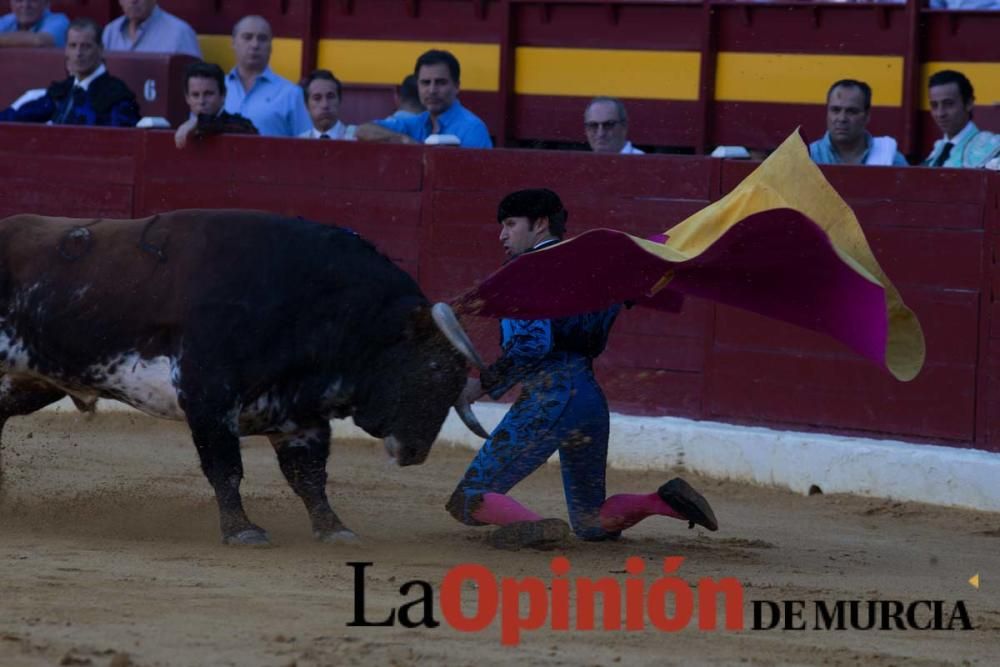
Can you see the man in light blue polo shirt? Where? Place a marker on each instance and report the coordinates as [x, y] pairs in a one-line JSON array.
[[437, 75], [847, 139], [30, 23], [144, 27], [274, 105]]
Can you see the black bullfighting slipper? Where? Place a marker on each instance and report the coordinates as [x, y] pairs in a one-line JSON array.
[[687, 502], [542, 534]]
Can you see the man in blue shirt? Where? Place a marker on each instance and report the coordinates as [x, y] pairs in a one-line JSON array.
[[273, 104], [847, 140], [144, 27], [964, 4], [407, 98], [438, 75], [561, 408], [30, 23]]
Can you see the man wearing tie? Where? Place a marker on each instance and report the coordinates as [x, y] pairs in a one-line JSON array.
[[89, 96], [964, 145], [322, 92]]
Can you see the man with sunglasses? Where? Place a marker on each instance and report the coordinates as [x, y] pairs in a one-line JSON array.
[[606, 124]]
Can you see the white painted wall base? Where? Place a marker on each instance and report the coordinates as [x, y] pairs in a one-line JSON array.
[[890, 469]]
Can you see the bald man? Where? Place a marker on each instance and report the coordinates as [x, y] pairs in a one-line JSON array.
[[273, 104]]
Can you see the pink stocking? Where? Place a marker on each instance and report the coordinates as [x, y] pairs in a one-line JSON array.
[[500, 510], [627, 509]]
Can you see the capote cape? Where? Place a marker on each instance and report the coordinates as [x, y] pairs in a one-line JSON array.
[[782, 244]]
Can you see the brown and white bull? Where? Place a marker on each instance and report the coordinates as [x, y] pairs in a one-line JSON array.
[[238, 323]]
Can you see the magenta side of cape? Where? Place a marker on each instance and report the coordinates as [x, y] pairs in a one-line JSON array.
[[589, 272], [777, 263]]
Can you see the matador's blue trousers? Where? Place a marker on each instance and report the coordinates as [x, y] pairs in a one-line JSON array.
[[562, 409]]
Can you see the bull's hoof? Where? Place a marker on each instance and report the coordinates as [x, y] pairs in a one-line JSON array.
[[251, 537], [342, 536]]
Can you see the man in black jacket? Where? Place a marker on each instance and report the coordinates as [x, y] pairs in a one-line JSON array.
[[89, 96], [205, 94]]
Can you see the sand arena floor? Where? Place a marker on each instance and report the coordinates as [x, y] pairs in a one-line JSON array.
[[110, 555]]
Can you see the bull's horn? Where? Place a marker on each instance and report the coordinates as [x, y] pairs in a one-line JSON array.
[[468, 418], [446, 321]]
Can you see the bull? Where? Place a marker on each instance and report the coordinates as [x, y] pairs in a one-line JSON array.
[[239, 323]]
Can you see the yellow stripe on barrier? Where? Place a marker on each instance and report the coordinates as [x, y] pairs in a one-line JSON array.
[[663, 75], [655, 75], [804, 78], [286, 54], [388, 61], [985, 79]]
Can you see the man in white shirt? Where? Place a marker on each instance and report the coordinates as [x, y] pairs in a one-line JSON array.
[[964, 145], [322, 92], [606, 124]]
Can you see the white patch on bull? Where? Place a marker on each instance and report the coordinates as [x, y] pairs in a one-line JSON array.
[[336, 400], [145, 384], [232, 420], [266, 413], [5, 386], [14, 356], [20, 298]]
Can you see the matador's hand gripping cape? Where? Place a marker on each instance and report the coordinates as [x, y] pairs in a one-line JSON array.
[[782, 244]]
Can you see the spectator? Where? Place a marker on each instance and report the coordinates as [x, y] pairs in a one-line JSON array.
[[205, 93], [847, 139], [606, 124], [322, 92], [964, 144], [30, 23], [407, 99], [89, 96], [273, 104], [438, 76], [144, 27], [964, 4]]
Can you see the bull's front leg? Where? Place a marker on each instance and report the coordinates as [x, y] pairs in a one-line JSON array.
[[20, 396], [215, 436], [302, 456]]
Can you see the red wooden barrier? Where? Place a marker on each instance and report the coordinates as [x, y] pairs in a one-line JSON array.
[[68, 171], [433, 211], [375, 192], [988, 377], [927, 229]]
